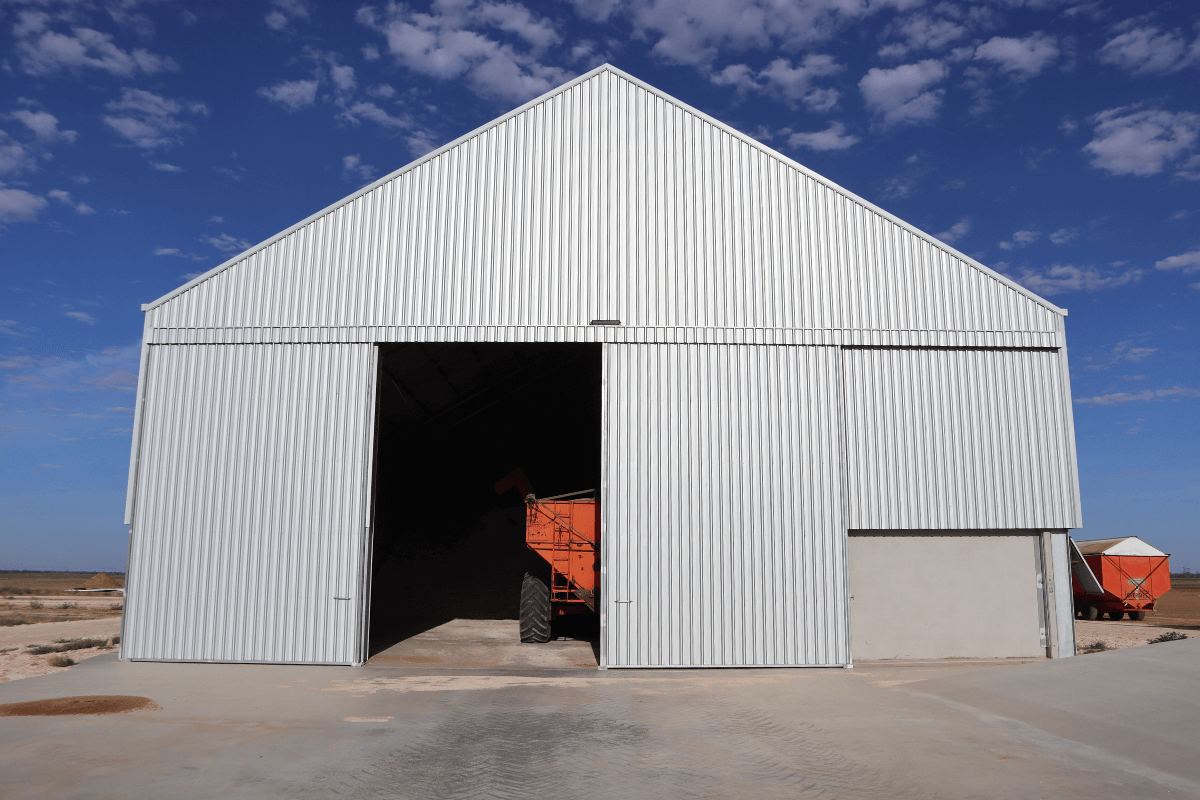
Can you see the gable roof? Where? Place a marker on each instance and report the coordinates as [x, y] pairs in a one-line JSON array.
[[926, 239]]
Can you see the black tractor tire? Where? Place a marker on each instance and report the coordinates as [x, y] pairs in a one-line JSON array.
[[1115, 615], [1138, 615], [1091, 612], [535, 610]]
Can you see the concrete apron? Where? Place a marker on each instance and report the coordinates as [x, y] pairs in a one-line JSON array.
[[1116, 724]]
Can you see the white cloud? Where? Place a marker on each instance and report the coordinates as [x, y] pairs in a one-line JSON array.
[[1020, 239], [367, 110], [175, 251], [902, 94], [1189, 262], [696, 31], [292, 95], [284, 12], [739, 76], [1148, 50], [420, 141], [66, 199], [149, 120], [780, 77], [517, 19], [81, 316], [370, 52], [1149, 395], [44, 126], [1064, 235], [163, 167], [956, 231], [18, 205], [383, 90], [15, 157], [448, 44], [1023, 58], [923, 33], [1069, 278], [226, 242], [1131, 142], [794, 83], [342, 77], [832, 138], [1124, 352], [595, 10], [43, 51], [353, 168]]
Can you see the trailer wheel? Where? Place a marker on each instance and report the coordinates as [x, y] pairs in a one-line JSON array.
[[1138, 615], [1115, 615], [535, 610], [1091, 612]]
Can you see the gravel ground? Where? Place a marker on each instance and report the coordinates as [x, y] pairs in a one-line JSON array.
[[16, 662]]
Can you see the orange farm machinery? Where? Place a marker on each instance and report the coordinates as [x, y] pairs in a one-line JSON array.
[[565, 531], [1131, 575]]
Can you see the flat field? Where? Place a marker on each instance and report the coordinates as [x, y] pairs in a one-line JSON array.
[[1180, 606], [18, 582]]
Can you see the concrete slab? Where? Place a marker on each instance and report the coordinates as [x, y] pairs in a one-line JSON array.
[[485, 644], [885, 731]]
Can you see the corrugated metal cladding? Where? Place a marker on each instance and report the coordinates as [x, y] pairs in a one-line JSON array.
[[958, 438], [724, 533], [605, 199], [791, 361], [249, 528]]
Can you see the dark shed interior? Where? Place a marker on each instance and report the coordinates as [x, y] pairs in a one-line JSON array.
[[453, 420]]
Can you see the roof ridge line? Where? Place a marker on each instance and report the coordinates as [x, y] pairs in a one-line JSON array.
[[606, 67]]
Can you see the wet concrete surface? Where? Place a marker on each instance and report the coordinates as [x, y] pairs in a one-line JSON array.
[[1118, 724]]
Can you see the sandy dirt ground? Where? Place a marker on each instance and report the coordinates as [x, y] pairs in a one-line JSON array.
[[1177, 607], [1119, 635], [17, 662]]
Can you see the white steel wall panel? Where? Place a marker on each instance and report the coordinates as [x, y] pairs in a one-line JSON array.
[[605, 333], [249, 517], [958, 438], [606, 199], [724, 527]]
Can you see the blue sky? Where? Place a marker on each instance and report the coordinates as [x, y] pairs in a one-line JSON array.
[[144, 142]]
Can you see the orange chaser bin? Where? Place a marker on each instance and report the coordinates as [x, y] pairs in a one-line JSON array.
[[1132, 574], [565, 531]]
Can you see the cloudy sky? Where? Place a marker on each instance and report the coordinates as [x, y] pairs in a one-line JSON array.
[[144, 142]]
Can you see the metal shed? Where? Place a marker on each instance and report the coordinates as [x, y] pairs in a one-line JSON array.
[[786, 376]]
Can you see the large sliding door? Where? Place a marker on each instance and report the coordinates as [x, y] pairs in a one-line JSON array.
[[249, 527], [724, 540]]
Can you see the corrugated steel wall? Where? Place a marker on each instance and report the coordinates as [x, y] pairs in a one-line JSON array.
[[724, 529], [606, 200], [958, 438], [602, 200], [249, 525]]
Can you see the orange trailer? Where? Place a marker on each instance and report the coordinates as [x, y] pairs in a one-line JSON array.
[[1132, 574], [565, 531]]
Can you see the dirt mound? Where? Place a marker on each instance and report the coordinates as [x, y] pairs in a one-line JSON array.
[[101, 581], [85, 704]]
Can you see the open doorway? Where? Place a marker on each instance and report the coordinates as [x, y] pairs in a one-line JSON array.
[[453, 420]]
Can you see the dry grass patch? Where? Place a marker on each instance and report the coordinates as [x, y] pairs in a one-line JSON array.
[[86, 704], [67, 645]]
